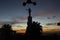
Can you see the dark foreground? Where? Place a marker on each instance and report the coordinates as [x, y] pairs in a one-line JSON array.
[[24, 37], [6, 33]]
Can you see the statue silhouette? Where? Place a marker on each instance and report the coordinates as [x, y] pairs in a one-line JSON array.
[[29, 23], [34, 29]]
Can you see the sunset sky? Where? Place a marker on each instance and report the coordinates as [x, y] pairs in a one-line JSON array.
[[45, 12]]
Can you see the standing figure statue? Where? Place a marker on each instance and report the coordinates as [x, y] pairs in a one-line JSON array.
[[29, 11]]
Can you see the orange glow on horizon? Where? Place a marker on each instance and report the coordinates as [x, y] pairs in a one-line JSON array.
[[44, 30], [21, 31]]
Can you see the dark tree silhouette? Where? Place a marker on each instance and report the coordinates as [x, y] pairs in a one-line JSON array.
[[58, 24], [6, 31]]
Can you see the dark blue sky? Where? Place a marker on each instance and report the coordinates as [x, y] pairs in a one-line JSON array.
[[13, 10]]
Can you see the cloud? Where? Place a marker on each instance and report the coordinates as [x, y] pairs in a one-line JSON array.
[[20, 19], [47, 12], [57, 24], [50, 7], [14, 20]]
